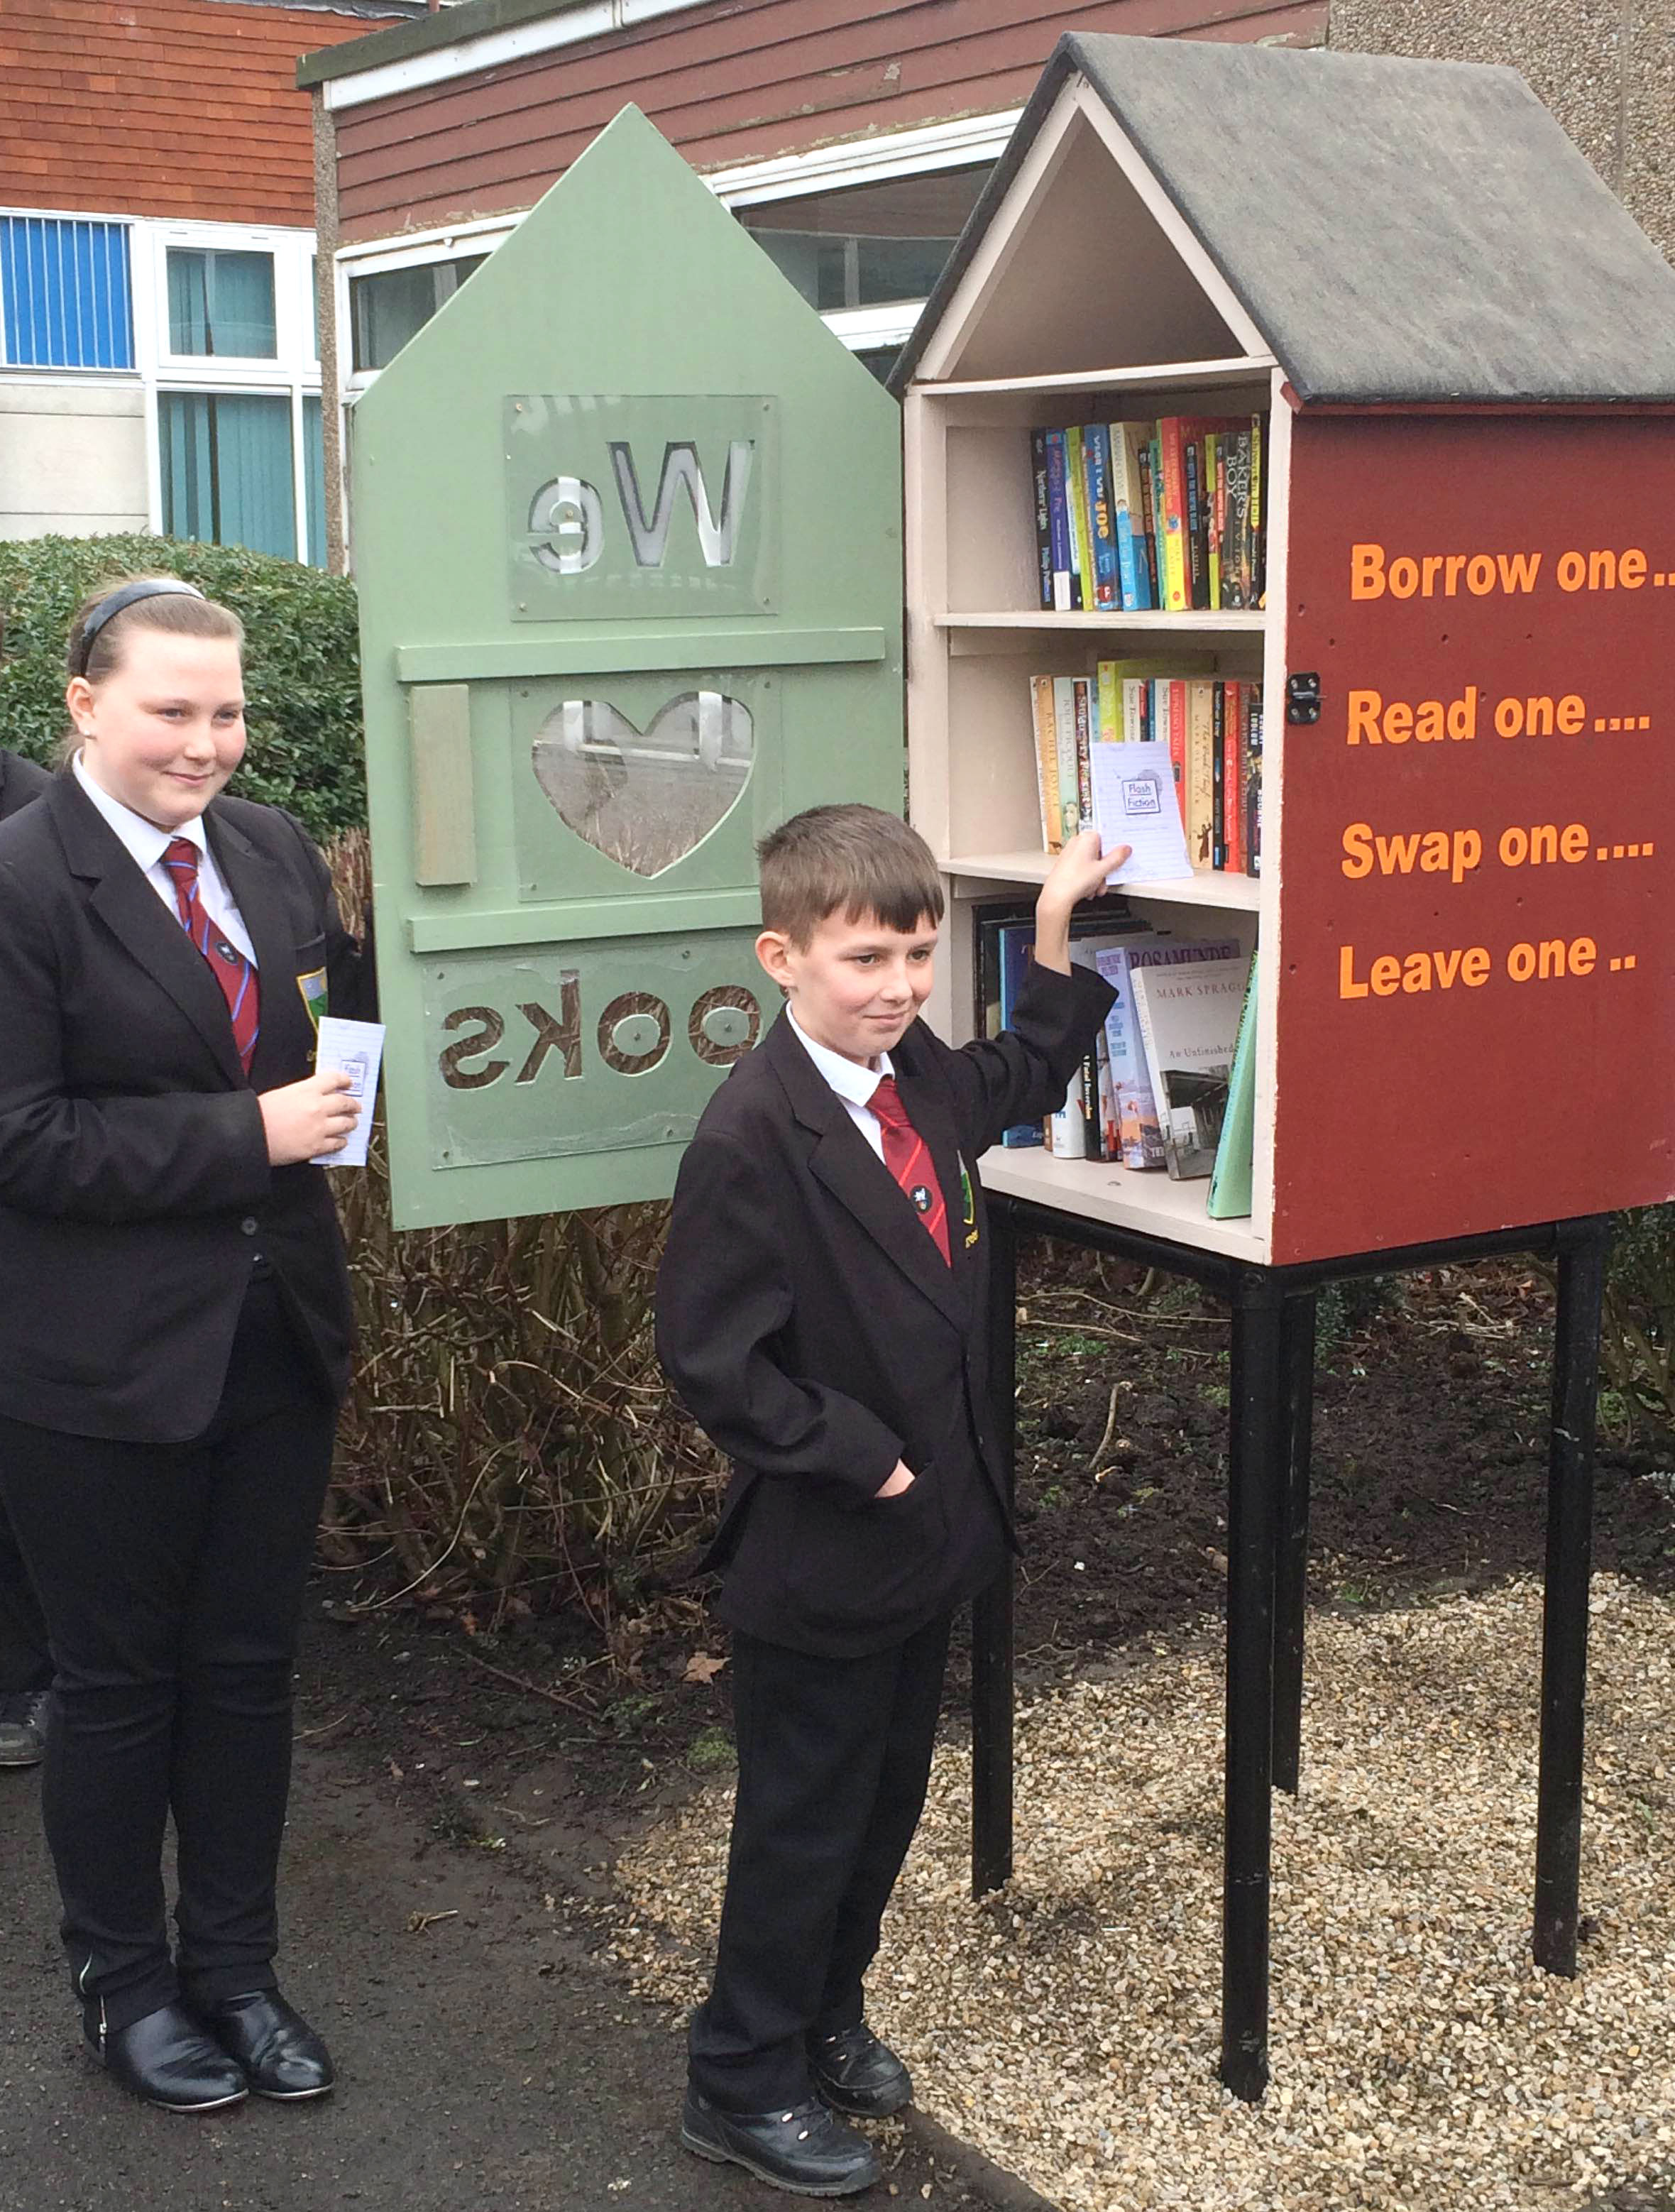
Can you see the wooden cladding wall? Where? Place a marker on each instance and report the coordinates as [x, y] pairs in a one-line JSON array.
[[735, 81], [170, 108]]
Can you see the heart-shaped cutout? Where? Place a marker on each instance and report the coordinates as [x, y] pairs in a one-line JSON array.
[[646, 798]]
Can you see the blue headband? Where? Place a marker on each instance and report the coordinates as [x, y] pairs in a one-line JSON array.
[[126, 595]]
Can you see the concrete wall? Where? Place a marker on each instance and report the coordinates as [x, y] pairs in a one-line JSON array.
[[72, 457], [1607, 67]]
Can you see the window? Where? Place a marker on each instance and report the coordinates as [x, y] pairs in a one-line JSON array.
[[314, 481], [65, 292], [222, 303], [388, 308], [869, 245], [227, 469]]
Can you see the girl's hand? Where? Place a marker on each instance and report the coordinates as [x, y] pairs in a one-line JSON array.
[[314, 1116]]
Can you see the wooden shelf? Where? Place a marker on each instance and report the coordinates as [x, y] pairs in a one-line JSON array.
[[1248, 621], [1095, 1190], [1176, 375], [1217, 889]]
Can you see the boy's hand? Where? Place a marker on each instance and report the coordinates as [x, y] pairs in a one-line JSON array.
[[1078, 873], [902, 1479]]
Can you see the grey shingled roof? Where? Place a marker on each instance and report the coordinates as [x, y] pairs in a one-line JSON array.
[[1403, 231]]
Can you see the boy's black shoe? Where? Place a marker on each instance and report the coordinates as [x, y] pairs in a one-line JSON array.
[[855, 2073], [166, 2059], [804, 2150], [279, 2054]]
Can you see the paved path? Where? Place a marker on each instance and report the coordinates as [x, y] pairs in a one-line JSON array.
[[485, 2064]]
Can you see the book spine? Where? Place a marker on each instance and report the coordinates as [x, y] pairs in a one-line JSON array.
[[1013, 945], [1259, 516], [1151, 487], [1233, 775], [1147, 1039], [1084, 696], [1171, 697], [1063, 720], [1133, 708], [1235, 541], [1059, 522], [1219, 786], [1081, 535], [1043, 517], [1096, 456], [1127, 514], [1254, 781], [1214, 469], [1131, 1090], [1177, 597], [1197, 583], [1200, 775], [1110, 703], [1046, 760]]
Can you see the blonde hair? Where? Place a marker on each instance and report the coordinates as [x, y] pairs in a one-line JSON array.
[[179, 613]]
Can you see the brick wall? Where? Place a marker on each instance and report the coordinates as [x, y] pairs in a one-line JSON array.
[[162, 108]]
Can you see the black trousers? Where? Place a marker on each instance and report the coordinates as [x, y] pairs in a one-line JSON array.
[[26, 1664], [833, 1757], [171, 1579]]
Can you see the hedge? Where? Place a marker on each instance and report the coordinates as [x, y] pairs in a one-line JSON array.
[[302, 670]]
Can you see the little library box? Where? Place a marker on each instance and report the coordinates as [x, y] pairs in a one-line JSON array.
[[1305, 421]]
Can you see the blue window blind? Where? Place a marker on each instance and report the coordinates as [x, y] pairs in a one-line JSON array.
[[226, 464], [66, 292], [314, 455], [221, 303]]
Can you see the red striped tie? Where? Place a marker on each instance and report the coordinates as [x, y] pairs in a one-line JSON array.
[[235, 974], [908, 1159]]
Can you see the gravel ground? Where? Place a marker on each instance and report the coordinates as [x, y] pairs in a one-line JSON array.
[[1067, 2027]]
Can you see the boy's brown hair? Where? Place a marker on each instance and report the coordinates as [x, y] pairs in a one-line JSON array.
[[854, 860]]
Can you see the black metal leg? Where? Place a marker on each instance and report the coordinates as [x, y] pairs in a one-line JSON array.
[[991, 1645], [1291, 1564], [1257, 1479], [1582, 1279]]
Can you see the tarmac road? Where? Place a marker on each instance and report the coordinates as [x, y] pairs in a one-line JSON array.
[[485, 2064]]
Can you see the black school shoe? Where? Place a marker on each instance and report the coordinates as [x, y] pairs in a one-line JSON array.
[[804, 2150], [166, 2059], [858, 2074], [274, 2047], [24, 1721]]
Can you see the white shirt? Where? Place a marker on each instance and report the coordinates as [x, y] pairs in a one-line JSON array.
[[147, 844], [853, 1083]]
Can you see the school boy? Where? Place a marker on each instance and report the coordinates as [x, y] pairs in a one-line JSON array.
[[820, 1312]]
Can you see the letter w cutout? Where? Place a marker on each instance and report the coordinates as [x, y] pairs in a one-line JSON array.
[[717, 539]]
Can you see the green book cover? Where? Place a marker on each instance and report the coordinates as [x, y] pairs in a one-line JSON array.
[[1229, 1180]]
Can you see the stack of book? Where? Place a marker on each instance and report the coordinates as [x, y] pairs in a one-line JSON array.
[[1212, 726], [1166, 515], [1168, 1084]]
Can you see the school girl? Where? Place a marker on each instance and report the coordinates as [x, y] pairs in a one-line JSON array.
[[177, 1335]]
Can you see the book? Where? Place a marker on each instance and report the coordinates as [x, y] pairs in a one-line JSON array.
[[1197, 554], [1201, 772], [1172, 519], [1259, 535], [1064, 716], [1059, 524], [1082, 692], [1081, 531], [1229, 1195], [1015, 948], [1169, 710], [1233, 777], [1128, 440], [1139, 1129], [1075, 1131], [1188, 1020], [1237, 567], [1043, 516], [1046, 761], [1218, 775], [1096, 462], [1253, 780]]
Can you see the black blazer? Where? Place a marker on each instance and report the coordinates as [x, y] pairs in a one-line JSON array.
[[20, 781], [134, 1187], [810, 1324]]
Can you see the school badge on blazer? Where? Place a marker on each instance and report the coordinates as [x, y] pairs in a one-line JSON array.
[[312, 986], [969, 1198]]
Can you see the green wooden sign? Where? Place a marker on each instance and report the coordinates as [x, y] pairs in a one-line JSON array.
[[627, 530]]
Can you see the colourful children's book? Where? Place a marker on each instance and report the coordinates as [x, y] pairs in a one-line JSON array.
[[1081, 531], [1172, 521], [1064, 578], [1046, 761], [1200, 773]]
